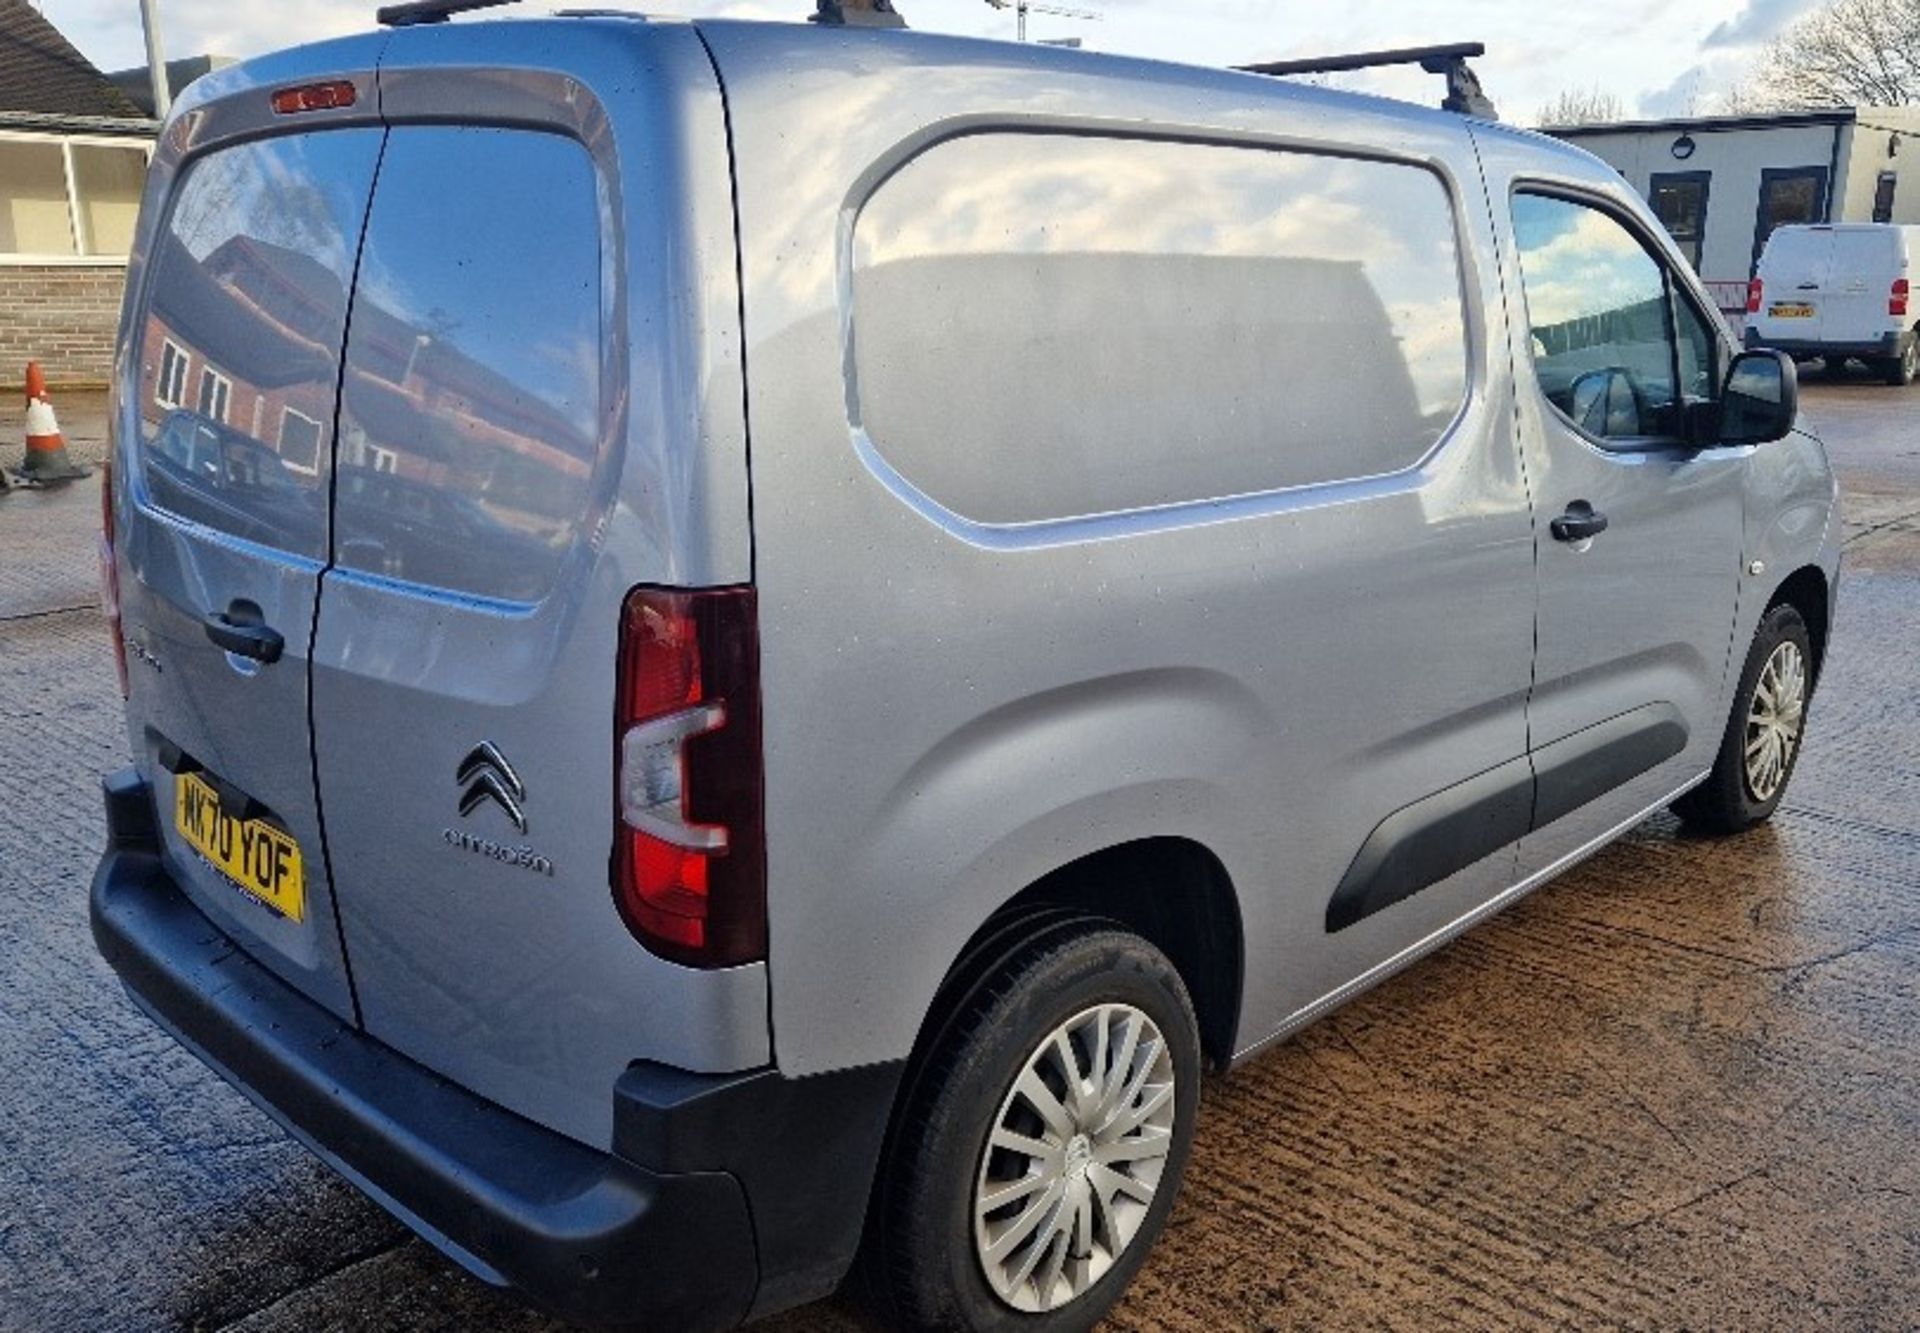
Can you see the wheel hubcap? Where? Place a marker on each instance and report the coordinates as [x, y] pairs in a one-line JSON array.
[[1774, 721], [1075, 1158]]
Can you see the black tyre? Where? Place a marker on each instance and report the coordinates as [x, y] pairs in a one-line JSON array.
[[1900, 371], [1764, 734], [1041, 1137]]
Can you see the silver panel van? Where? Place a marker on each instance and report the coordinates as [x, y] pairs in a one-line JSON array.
[[748, 647]]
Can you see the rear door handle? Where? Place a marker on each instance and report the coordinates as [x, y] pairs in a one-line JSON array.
[[1582, 522], [242, 629]]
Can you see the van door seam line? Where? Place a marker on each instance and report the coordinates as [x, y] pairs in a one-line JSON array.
[[320, 581]]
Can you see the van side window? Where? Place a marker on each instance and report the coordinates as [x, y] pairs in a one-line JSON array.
[[245, 311], [470, 408], [1052, 326], [1597, 307]]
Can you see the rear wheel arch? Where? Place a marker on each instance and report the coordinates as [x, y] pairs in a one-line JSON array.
[[1171, 891]]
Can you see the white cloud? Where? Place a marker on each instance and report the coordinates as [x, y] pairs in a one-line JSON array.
[[1759, 21]]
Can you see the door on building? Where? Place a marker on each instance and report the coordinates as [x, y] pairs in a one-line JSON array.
[[1680, 202], [1788, 194]]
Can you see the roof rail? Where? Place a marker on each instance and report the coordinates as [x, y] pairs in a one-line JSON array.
[[1464, 94], [417, 12], [857, 14]]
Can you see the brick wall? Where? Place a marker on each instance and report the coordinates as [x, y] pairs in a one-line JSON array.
[[62, 316]]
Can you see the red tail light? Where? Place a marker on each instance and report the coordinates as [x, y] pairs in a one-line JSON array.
[[110, 576], [314, 97], [690, 865], [1755, 291], [1897, 302]]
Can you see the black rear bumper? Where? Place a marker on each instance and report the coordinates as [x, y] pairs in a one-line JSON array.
[[724, 1198]]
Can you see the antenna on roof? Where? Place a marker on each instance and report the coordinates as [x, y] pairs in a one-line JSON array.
[[417, 12], [1464, 94], [857, 14]]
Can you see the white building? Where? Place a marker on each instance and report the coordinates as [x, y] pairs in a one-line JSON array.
[[73, 160], [1722, 184]]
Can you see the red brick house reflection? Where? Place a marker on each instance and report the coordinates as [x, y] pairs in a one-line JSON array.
[[225, 339]]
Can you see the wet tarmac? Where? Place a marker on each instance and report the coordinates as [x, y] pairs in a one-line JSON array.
[[1678, 1087]]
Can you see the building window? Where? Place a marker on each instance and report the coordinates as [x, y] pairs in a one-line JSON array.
[[1788, 195], [216, 390], [1679, 200], [299, 441], [384, 460], [1883, 194], [171, 385], [67, 199]]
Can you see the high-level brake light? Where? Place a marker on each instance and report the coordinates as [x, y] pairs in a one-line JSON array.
[[315, 97]]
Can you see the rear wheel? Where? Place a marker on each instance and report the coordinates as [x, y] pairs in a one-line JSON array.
[[1764, 735], [1042, 1139], [1902, 370]]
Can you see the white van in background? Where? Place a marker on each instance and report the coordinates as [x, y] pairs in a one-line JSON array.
[[1838, 292]]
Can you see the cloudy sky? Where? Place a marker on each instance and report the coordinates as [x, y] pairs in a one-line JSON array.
[[1660, 57]]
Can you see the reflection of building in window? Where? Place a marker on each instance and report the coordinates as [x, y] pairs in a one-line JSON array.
[[216, 391], [299, 441], [170, 385], [384, 460]]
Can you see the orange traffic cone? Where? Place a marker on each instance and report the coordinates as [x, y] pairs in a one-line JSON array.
[[46, 458]]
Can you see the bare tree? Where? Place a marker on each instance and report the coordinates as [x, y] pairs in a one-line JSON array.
[[1583, 106], [1745, 100], [1849, 53]]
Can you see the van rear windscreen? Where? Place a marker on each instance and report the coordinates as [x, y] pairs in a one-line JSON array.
[[239, 344]]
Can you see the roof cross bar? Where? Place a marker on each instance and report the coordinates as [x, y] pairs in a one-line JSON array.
[[1464, 94], [417, 12]]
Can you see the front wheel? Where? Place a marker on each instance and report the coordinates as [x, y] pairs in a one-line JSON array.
[[1764, 735], [1042, 1140]]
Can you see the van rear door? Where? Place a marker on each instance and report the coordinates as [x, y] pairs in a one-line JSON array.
[[225, 427], [1793, 273], [1863, 264], [529, 405]]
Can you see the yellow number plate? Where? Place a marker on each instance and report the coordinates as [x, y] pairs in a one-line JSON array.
[[252, 853], [1795, 311]]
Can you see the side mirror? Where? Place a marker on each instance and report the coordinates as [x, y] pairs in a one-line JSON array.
[[1761, 400]]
